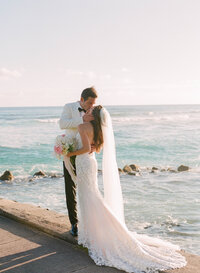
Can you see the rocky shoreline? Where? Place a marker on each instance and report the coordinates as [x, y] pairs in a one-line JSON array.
[[131, 169], [136, 170]]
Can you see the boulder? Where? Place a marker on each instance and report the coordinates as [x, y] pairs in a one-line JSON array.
[[54, 175], [154, 169], [120, 170], [163, 170], [134, 167], [127, 169], [171, 170], [99, 171], [132, 173], [31, 180], [183, 168], [7, 175], [40, 173], [148, 226]]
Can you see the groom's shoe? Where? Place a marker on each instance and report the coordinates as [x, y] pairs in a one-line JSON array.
[[74, 230]]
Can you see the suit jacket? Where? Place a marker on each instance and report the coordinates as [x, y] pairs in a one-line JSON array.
[[70, 118]]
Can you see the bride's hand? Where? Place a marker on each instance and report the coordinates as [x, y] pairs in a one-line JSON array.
[[69, 154], [93, 149]]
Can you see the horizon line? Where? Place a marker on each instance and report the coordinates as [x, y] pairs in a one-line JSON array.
[[168, 104]]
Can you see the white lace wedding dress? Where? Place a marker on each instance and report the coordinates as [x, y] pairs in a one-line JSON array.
[[109, 241]]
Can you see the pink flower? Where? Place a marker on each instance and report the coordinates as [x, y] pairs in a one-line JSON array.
[[58, 150], [63, 135]]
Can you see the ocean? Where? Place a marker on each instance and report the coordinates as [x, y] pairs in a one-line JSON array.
[[162, 204]]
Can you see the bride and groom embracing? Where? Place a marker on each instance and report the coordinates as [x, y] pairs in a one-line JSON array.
[[99, 220]]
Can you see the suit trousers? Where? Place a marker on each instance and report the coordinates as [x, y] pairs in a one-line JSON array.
[[70, 192]]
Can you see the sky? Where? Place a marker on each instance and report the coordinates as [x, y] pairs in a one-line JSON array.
[[134, 52]]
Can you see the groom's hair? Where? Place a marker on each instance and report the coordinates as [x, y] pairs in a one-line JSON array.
[[89, 92]]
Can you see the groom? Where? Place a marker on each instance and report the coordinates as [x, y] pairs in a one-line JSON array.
[[74, 114]]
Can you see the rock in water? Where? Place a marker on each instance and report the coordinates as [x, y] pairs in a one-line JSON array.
[[127, 169], [7, 175], [31, 179], [183, 168], [154, 169], [40, 173], [131, 173], [135, 167], [171, 170]]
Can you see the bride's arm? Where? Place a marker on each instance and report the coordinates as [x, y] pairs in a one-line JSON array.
[[85, 141]]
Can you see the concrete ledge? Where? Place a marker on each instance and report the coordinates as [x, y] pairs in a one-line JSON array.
[[51, 222], [58, 225]]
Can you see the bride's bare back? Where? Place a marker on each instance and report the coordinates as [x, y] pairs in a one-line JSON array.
[[87, 135], [87, 126]]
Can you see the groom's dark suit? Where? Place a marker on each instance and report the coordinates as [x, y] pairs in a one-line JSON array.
[[70, 192], [69, 120]]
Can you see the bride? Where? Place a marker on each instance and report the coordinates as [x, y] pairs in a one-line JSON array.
[[102, 227]]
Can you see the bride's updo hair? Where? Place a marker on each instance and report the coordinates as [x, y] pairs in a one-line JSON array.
[[96, 123]]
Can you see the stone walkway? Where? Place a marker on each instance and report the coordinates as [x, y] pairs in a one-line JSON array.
[[27, 250]]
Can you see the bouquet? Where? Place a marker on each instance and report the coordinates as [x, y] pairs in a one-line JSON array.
[[63, 145]]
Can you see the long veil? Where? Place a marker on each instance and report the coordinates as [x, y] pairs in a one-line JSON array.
[[111, 181], [113, 193]]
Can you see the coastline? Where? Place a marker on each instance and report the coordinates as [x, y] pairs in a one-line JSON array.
[[151, 137], [58, 225]]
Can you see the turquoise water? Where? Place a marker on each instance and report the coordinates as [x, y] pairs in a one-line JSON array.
[[161, 204]]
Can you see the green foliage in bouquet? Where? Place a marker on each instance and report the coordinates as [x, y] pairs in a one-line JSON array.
[[72, 158]]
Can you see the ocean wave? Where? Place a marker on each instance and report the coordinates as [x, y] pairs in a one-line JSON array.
[[151, 117], [16, 121], [11, 146], [14, 146], [172, 222], [51, 120]]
